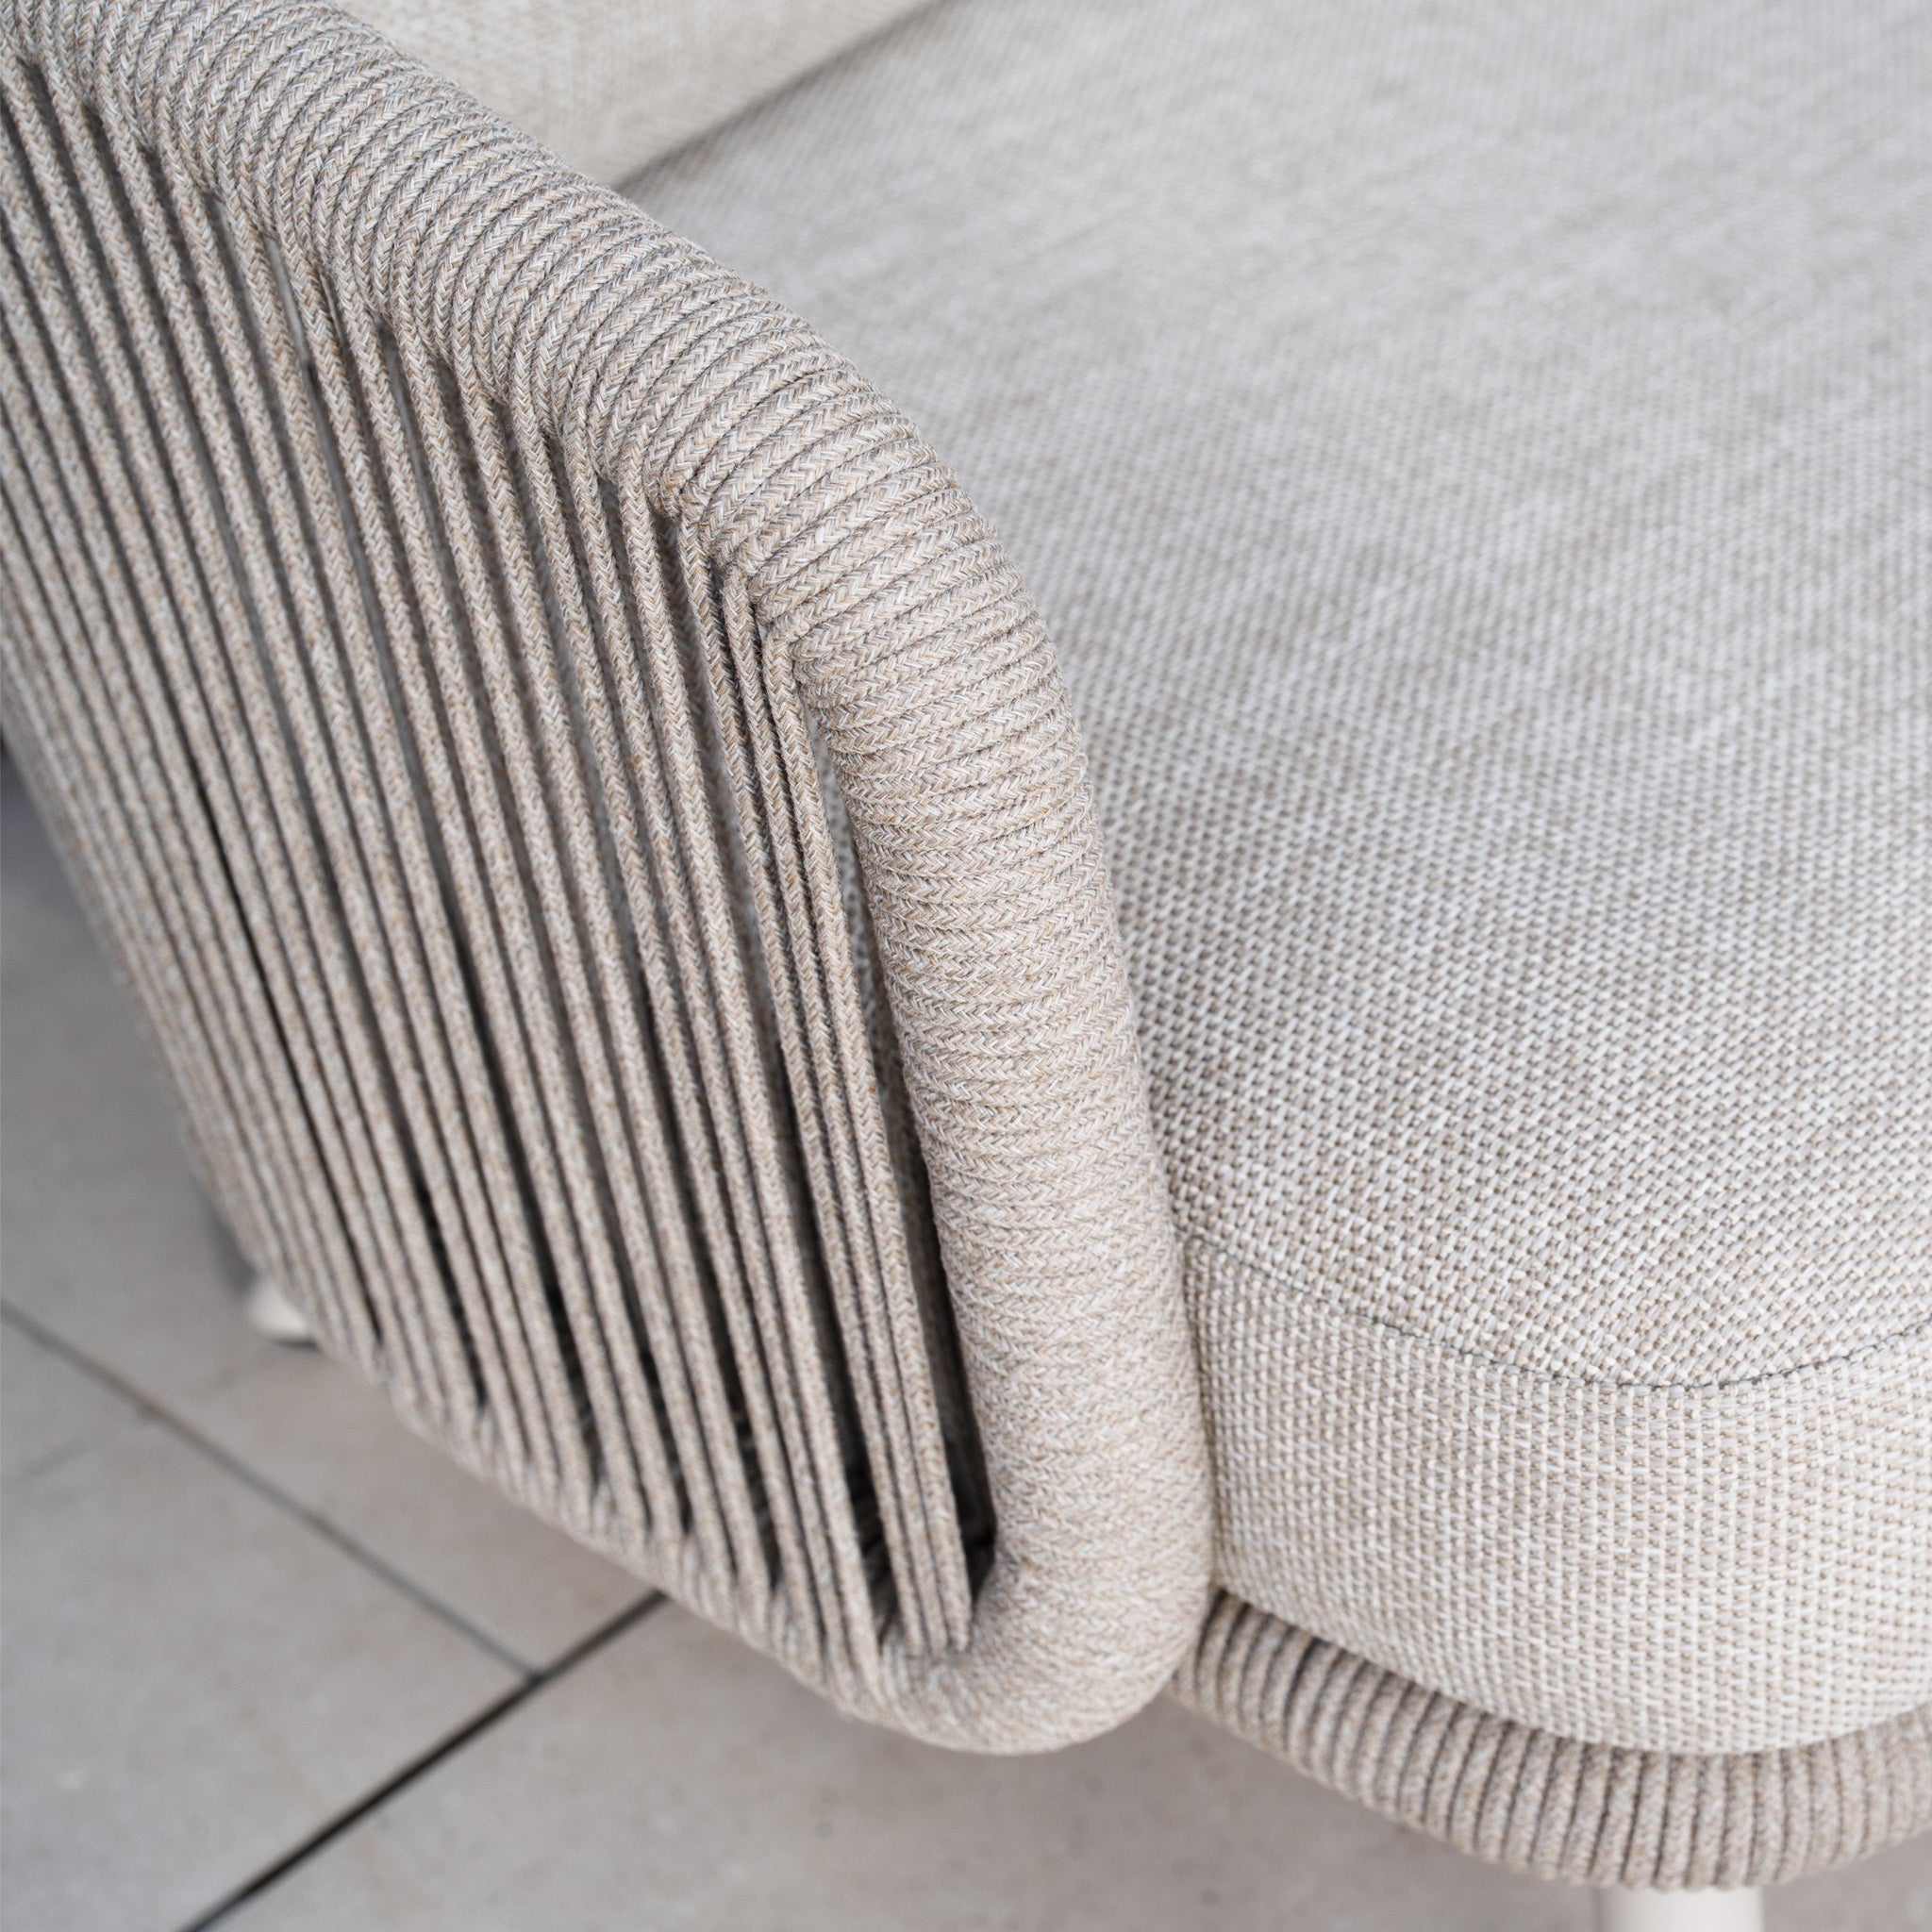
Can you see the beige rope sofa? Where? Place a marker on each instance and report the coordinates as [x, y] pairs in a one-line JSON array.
[[601, 839]]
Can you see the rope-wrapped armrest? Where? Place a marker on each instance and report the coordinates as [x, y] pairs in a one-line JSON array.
[[598, 833]]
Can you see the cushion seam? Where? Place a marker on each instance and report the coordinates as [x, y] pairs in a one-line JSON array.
[[1709, 1385]]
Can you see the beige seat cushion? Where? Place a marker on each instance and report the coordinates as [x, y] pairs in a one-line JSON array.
[[1477, 464], [612, 84]]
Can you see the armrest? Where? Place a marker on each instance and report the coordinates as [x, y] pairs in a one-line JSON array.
[[454, 622]]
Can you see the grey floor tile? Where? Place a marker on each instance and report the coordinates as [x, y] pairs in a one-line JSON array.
[[316, 1433], [111, 1247], [194, 1681], [48, 1410], [110, 1243], [674, 1780], [1891, 1892]]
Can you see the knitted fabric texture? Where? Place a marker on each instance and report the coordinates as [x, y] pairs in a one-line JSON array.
[[516, 701], [1497, 622], [1475, 467], [609, 87]]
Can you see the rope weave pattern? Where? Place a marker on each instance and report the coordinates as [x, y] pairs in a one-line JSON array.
[[1595, 1814], [598, 837], [525, 942], [504, 1149]]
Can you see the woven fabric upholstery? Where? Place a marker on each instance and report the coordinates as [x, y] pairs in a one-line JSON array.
[[1472, 467], [454, 629], [612, 84], [1477, 469]]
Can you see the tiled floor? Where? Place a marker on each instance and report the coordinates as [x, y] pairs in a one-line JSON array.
[[270, 1661]]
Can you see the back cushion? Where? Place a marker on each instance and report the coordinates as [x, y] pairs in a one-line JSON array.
[[612, 84]]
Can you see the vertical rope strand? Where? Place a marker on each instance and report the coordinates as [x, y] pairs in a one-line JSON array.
[[616, 915], [44, 736], [770, 817], [479, 1139], [160, 796], [887, 1306], [421, 627], [136, 490], [651, 1245], [471, 850]]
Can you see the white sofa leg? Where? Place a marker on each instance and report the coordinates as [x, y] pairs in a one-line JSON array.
[[1617, 1910], [270, 1313]]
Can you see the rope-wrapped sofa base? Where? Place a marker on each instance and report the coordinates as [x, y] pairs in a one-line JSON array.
[[1595, 1814]]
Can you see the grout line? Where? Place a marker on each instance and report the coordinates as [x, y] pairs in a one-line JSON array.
[[292, 1506], [419, 1767]]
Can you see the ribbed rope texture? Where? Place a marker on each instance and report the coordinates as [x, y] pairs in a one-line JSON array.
[[1595, 1814], [600, 842], [496, 911]]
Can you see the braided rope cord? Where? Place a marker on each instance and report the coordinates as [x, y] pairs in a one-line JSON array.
[[597, 834], [1595, 1814]]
